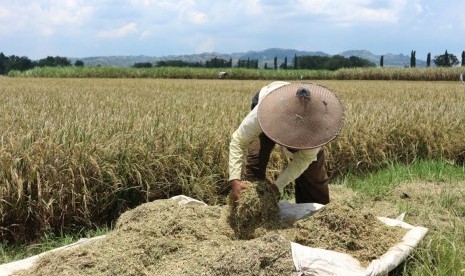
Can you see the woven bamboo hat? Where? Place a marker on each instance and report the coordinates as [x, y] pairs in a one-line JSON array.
[[301, 115]]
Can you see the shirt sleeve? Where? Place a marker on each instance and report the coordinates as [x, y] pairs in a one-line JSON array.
[[300, 161], [246, 133]]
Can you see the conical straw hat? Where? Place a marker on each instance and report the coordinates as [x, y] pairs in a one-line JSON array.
[[301, 115]]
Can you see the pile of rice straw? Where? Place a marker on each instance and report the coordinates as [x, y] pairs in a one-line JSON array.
[[246, 238]]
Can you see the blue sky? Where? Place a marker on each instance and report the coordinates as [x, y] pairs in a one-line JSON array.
[[84, 28]]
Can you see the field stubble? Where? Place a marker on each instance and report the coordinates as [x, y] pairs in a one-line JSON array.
[[79, 152]]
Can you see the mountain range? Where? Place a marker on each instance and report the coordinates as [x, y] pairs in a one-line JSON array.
[[266, 56]]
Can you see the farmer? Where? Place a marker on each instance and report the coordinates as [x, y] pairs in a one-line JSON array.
[[301, 118]]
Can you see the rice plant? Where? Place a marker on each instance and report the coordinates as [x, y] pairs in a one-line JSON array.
[[371, 73]]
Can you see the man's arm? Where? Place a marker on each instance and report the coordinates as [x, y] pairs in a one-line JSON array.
[[300, 162], [247, 132]]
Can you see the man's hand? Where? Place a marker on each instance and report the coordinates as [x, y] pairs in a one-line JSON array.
[[236, 188]]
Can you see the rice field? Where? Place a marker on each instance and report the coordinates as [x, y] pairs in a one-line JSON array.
[[78, 152], [371, 73]]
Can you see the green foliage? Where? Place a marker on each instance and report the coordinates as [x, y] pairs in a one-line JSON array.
[[381, 61], [413, 59], [48, 241], [178, 63], [218, 63], [428, 60], [371, 73], [54, 62], [14, 63], [284, 64], [3, 62], [332, 63], [249, 63], [446, 60], [79, 63], [142, 65], [463, 58]]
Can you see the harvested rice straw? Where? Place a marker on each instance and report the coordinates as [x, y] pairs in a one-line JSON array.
[[257, 206]]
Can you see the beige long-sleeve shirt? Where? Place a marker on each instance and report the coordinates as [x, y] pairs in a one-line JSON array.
[[249, 130]]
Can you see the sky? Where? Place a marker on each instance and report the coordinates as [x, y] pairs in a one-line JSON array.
[[84, 28]]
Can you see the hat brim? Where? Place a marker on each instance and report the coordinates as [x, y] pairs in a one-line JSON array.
[[301, 122]]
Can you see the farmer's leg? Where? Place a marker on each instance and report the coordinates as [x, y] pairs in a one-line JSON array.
[[312, 185], [258, 156]]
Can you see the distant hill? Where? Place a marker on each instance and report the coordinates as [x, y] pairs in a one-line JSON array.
[[398, 60], [266, 56]]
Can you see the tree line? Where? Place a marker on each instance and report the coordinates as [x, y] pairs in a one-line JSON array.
[[301, 62], [13, 62], [212, 63], [444, 60], [8, 63]]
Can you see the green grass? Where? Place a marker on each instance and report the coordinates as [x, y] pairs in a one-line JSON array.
[[380, 183], [11, 252], [371, 73]]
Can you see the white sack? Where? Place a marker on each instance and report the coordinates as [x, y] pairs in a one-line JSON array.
[[317, 261]]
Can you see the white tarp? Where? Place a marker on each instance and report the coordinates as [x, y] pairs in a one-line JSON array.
[[9, 268], [307, 260], [317, 261]]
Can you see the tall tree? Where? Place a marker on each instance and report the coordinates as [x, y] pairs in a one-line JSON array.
[[381, 61], [463, 58], [428, 60], [284, 65], [275, 63], [446, 60], [3, 63], [18, 63], [295, 61], [413, 60]]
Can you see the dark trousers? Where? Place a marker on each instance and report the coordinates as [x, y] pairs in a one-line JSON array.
[[310, 186]]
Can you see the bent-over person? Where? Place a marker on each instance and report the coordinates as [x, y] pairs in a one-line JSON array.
[[301, 118]]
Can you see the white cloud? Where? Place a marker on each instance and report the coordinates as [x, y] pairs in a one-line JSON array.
[[253, 7], [352, 12], [205, 25], [119, 32], [197, 17], [45, 17], [64, 16], [4, 13]]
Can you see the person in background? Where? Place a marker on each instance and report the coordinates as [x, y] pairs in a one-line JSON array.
[[301, 118]]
